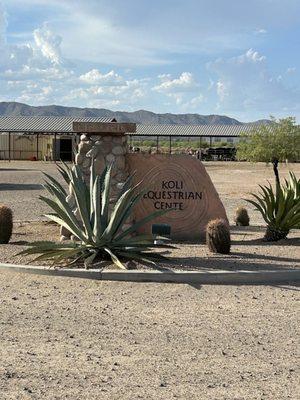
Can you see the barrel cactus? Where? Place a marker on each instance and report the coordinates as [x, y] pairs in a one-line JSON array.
[[6, 224], [218, 236], [241, 217]]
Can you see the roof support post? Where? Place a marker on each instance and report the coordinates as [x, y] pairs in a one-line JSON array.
[[170, 144], [54, 148], [9, 146], [73, 139], [157, 143], [37, 146], [210, 141]]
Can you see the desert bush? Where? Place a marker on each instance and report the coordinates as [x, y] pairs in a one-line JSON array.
[[280, 140], [218, 236], [241, 217], [6, 224], [100, 232], [280, 208]]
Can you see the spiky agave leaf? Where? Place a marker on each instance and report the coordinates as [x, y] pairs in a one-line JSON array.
[[64, 171], [114, 258], [105, 197], [51, 251], [82, 198]]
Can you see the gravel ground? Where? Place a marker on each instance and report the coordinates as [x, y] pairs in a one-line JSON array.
[[235, 180], [73, 339], [20, 186]]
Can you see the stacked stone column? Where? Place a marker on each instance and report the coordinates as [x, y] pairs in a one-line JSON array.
[[104, 148]]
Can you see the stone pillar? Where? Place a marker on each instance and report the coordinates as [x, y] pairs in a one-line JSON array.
[[105, 149], [104, 146]]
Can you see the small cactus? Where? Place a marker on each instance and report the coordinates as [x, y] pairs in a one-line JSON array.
[[6, 224], [241, 217], [218, 236]]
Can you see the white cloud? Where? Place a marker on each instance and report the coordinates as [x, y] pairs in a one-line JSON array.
[[222, 90], [291, 70], [48, 43], [260, 31], [244, 83], [122, 92], [96, 77], [185, 82], [25, 72], [37, 73], [184, 90], [165, 77], [250, 55], [134, 33], [193, 104], [43, 53], [42, 68]]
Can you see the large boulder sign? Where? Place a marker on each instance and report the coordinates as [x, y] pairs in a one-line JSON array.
[[178, 183]]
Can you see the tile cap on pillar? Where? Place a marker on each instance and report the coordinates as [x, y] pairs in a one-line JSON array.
[[104, 128]]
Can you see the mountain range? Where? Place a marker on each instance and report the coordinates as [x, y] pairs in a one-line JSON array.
[[139, 117]]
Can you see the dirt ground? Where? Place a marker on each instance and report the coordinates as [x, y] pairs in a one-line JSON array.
[[71, 339], [74, 339]]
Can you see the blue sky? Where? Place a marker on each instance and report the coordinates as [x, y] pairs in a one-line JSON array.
[[240, 58]]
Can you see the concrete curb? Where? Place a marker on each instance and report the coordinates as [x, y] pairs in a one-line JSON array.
[[192, 277]]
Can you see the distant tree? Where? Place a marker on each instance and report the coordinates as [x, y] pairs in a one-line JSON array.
[[279, 140]]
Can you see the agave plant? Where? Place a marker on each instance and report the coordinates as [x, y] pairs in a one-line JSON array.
[[99, 231], [280, 208], [293, 184]]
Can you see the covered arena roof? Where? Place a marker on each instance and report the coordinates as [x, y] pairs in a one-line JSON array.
[[64, 125], [193, 130], [58, 125]]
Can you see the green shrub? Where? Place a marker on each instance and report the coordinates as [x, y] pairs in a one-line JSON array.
[[280, 208], [280, 140], [100, 233]]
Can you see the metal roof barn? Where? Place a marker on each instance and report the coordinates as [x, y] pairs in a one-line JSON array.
[[64, 125], [59, 127], [193, 130], [44, 125]]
